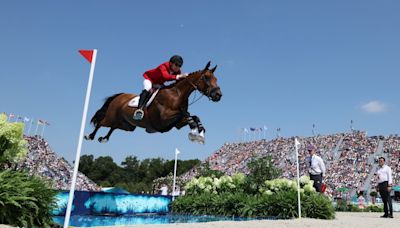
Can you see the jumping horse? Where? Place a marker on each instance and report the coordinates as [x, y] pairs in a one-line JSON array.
[[169, 108]]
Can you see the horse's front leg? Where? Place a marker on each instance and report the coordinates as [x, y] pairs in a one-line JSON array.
[[197, 129]]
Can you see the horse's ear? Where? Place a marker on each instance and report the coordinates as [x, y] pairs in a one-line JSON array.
[[213, 69], [207, 66]]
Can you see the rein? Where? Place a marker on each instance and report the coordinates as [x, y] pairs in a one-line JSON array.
[[197, 89]]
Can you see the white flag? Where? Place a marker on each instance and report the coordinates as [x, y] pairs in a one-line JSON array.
[[177, 151]]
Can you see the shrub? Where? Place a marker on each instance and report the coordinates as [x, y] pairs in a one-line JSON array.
[[344, 206], [12, 145], [25, 201], [216, 185], [373, 194], [315, 205], [231, 196], [373, 208], [262, 169], [282, 204]]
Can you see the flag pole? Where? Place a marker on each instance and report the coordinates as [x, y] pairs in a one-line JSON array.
[[174, 182], [296, 144], [78, 150], [30, 125], [43, 129], [37, 126]]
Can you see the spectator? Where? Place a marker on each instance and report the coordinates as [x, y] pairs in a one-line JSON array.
[[385, 187], [316, 168]]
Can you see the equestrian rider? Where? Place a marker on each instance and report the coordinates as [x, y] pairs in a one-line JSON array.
[[155, 78]]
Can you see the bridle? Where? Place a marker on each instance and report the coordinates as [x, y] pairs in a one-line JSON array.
[[208, 92]]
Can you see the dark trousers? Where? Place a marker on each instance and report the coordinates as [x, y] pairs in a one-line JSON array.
[[317, 182], [386, 199]]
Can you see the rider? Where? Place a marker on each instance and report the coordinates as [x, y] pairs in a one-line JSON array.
[[156, 77]]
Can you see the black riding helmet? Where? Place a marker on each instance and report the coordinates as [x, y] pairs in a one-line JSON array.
[[177, 60]]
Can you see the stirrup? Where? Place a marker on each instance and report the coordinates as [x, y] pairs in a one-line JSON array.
[[138, 115]]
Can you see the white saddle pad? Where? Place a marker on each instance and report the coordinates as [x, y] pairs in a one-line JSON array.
[[135, 101]]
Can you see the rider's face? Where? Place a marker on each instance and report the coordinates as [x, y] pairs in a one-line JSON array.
[[175, 68]]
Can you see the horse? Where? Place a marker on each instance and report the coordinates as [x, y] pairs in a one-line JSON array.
[[169, 108]]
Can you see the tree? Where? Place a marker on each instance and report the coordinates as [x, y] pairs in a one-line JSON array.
[[12, 144], [102, 169], [131, 169], [86, 164]]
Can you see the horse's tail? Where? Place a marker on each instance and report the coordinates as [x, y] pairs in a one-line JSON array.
[[101, 113]]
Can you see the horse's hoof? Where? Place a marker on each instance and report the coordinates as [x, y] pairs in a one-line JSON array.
[[200, 139], [192, 137], [87, 137], [103, 140]]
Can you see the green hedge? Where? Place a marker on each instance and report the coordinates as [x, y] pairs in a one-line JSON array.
[[349, 207], [229, 196], [281, 204], [25, 201]]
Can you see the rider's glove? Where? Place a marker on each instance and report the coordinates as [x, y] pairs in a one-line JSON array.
[[181, 76]]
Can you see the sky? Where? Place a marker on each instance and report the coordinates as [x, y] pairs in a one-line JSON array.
[[281, 64]]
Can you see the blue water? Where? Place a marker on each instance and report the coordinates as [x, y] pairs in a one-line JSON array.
[[89, 221]]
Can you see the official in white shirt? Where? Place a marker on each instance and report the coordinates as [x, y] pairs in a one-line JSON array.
[[164, 190], [384, 174], [316, 168]]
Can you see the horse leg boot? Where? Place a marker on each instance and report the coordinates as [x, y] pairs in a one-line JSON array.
[[193, 126], [199, 138], [144, 97]]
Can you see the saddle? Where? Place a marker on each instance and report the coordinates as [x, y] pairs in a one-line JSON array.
[[135, 101]]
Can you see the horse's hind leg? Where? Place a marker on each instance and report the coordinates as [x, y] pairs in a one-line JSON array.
[[105, 138], [91, 135]]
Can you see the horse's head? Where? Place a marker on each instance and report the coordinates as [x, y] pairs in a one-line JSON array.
[[207, 84]]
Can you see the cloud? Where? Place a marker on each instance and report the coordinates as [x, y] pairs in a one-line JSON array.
[[374, 107]]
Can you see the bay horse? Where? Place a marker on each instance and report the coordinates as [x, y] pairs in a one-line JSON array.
[[169, 108]]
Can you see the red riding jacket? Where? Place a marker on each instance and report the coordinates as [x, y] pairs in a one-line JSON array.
[[160, 74]]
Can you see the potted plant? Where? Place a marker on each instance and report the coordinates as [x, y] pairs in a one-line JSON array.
[[373, 195]]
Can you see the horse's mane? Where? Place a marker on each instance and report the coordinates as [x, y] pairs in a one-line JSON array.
[[176, 82]]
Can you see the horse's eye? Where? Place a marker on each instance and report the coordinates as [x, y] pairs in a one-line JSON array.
[[207, 79]]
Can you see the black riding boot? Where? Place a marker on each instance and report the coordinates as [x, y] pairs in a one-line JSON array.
[[144, 97]]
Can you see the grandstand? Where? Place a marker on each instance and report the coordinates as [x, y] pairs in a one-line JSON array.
[[42, 161], [350, 158]]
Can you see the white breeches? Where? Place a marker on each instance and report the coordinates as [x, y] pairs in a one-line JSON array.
[[147, 84]]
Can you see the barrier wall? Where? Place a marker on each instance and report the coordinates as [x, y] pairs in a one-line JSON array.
[[95, 203]]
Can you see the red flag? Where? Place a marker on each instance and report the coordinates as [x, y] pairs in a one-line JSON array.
[[88, 54]]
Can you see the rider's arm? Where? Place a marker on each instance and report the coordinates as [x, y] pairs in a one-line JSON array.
[[166, 75]]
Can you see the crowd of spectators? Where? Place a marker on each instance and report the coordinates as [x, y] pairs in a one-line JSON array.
[[347, 156], [42, 161]]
